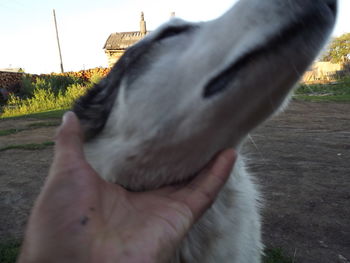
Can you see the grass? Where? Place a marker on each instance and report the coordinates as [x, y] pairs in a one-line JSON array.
[[45, 93], [9, 251], [334, 92], [29, 146], [325, 98], [52, 114], [9, 131], [46, 114], [43, 124], [276, 255], [43, 99], [31, 126], [50, 96]]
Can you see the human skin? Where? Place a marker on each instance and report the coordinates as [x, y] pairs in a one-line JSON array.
[[79, 217]]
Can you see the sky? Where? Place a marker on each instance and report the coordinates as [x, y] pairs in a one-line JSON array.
[[28, 38]]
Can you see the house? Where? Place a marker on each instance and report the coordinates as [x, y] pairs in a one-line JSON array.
[[117, 43], [322, 71]]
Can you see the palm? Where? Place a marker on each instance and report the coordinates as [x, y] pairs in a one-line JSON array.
[[78, 217], [141, 222]]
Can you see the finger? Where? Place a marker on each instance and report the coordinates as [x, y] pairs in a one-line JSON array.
[[69, 138], [200, 193]]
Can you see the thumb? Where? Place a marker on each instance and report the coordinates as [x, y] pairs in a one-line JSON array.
[[201, 192], [69, 138]]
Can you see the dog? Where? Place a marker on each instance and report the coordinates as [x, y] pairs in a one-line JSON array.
[[189, 90]]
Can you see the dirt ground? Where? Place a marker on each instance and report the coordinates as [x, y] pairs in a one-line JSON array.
[[300, 158]]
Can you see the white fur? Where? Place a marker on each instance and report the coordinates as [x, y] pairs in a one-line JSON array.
[[161, 130]]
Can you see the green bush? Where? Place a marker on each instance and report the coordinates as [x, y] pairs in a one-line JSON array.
[[341, 87], [45, 93], [54, 83], [61, 83], [43, 99], [27, 87], [96, 78]]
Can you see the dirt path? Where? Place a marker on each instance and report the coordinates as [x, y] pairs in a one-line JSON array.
[[22, 173], [301, 158], [27, 131]]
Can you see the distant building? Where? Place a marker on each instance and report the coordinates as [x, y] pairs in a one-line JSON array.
[[117, 43], [321, 71]]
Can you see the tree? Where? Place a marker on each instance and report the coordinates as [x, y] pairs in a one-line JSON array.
[[338, 50]]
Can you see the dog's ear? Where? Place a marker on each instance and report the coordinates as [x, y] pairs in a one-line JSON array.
[[94, 107]]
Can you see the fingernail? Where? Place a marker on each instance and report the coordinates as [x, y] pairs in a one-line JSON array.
[[229, 155], [66, 116]]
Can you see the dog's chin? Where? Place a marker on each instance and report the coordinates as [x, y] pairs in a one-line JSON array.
[[184, 180], [149, 167], [145, 180]]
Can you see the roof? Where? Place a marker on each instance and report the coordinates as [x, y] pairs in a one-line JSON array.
[[123, 40]]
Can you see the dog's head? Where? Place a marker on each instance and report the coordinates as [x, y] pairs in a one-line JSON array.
[[188, 90]]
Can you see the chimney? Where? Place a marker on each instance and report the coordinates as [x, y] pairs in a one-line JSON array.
[[143, 29]]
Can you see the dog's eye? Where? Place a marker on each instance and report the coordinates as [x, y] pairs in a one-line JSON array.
[[219, 83]]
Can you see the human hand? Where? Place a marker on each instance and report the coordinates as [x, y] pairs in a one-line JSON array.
[[79, 217]]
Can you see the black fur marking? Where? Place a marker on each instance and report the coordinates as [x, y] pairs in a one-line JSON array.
[[175, 30], [333, 7], [93, 109], [221, 81]]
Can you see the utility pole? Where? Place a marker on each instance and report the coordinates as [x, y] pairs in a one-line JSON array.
[[58, 40]]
